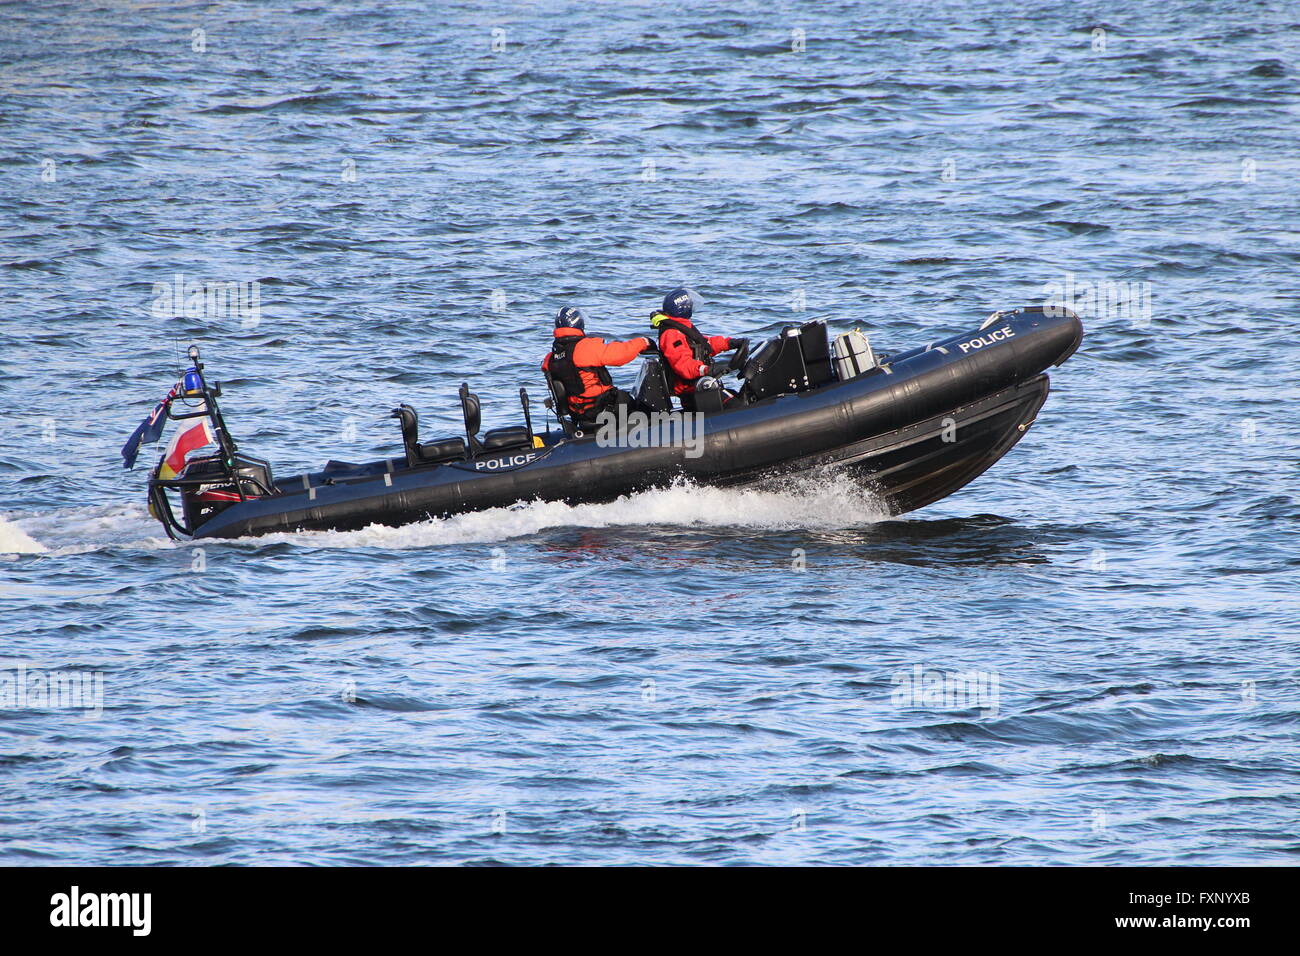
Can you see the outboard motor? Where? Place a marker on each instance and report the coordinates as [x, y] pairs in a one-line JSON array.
[[208, 484], [207, 488]]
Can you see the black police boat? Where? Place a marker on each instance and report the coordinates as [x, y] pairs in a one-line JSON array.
[[915, 425]]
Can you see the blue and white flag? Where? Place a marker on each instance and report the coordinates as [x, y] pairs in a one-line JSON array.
[[150, 429]]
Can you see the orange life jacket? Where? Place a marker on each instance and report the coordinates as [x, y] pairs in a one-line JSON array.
[[583, 383]]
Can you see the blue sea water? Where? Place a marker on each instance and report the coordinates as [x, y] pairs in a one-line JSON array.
[[694, 675]]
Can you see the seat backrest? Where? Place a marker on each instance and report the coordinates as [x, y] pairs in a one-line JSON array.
[[561, 396], [652, 386], [528, 412], [778, 368], [814, 340], [410, 422], [560, 400], [472, 409]]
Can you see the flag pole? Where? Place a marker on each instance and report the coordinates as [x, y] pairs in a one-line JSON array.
[[228, 446]]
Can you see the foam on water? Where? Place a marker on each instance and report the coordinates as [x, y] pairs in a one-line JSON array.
[[822, 503], [65, 531], [14, 540], [826, 502]]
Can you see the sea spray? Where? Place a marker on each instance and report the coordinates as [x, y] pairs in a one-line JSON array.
[[82, 529], [820, 502], [823, 502], [13, 540]]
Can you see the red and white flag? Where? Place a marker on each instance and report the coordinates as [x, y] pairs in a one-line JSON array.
[[195, 434]]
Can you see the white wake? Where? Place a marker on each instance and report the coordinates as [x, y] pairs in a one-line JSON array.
[[826, 503], [821, 504], [13, 540]]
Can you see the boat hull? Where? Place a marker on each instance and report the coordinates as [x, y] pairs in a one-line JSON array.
[[917, 429]]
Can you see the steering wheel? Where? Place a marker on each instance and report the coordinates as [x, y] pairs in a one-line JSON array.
[[739, 359]]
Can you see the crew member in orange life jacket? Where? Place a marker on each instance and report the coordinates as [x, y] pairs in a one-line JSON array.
[[687, 352], [580, 361]]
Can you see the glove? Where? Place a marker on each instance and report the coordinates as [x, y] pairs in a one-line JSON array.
[[704, 368], [733, 344], [650, 347]]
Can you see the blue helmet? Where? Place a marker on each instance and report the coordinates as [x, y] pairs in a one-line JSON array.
[[570, 318], [679, 304]]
